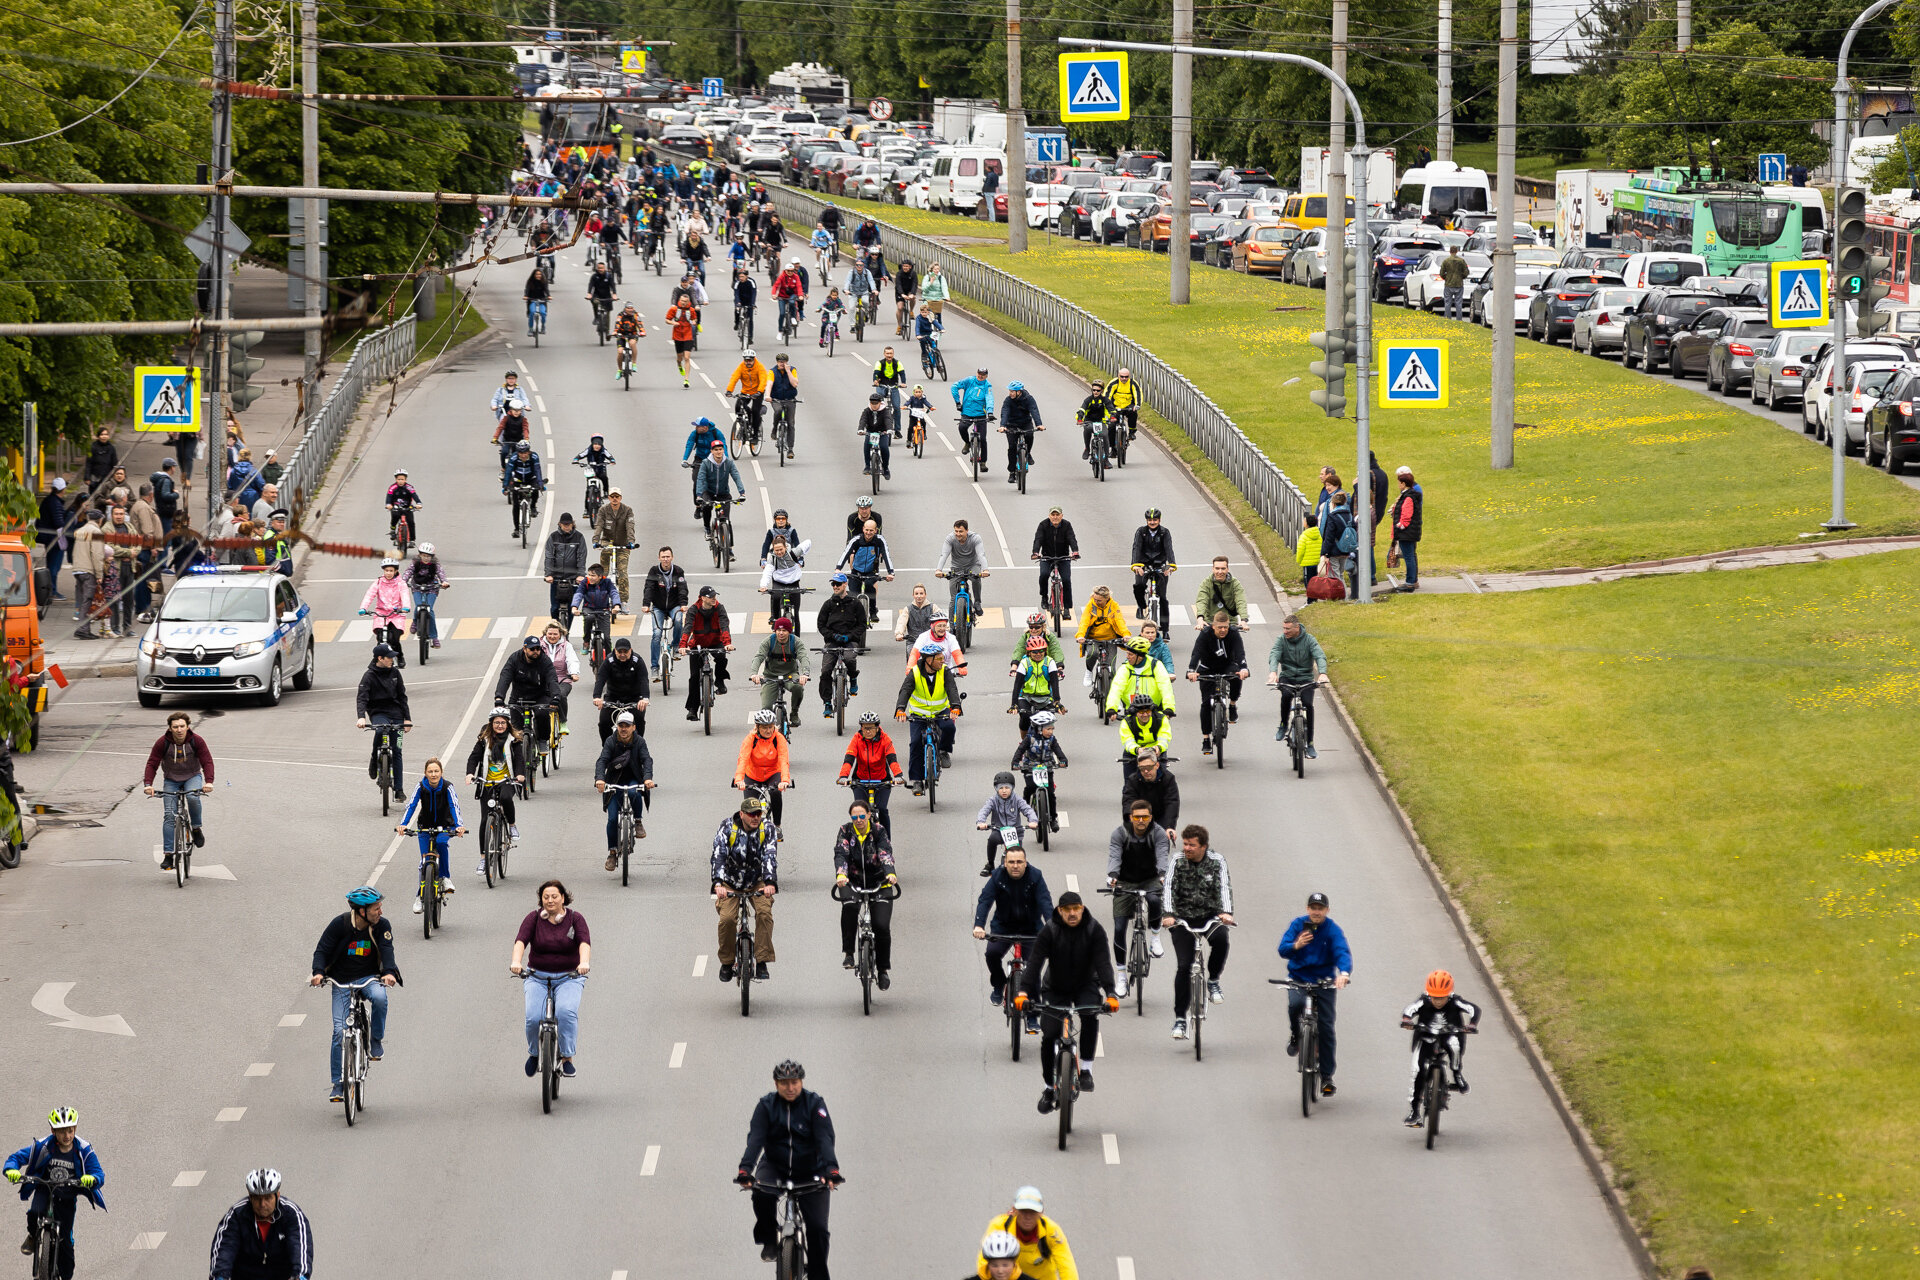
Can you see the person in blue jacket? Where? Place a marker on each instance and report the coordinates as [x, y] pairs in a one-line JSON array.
[[72, 1168], [700, 442], [973, 397], [1315, 949], [1021, 903], [437, 806]]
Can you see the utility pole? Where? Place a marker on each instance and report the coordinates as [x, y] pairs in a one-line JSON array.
[[1179, 255], [1683, 25], [1500, 297], [1016, 141], [312, 252], [1443, 135], [1337, 185], [219, 305], [30, 443]]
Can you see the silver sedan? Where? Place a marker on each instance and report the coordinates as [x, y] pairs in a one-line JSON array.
[[1599, 326], [1780, 368]]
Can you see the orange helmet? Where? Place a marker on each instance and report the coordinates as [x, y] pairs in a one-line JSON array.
[[1439, 983]]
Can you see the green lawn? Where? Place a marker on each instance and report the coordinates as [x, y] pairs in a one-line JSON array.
[[453, 323], [1676, 809]]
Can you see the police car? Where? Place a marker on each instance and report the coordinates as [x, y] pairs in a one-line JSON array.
[[227, 631]]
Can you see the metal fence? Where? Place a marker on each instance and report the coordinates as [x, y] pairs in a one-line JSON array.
[[1276, 498], [376, 358]]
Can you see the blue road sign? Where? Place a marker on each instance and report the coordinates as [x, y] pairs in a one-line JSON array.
[[1798, 299], [1049, 148], [166, 398], [1414, 373], [1093, 86], [713, 87], [1773, 166]]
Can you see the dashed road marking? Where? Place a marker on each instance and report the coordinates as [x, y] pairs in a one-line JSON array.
[[699, 966], [189, 1177], [259, 1069], [1064, 821], [679, 1056], [229, 1114], [148, 1240], [1125, 1266], [1110, 1143], [292, 1019], [531, 384], [1073, 883], [213, 871], [374, 877], [947, 442], [540, 403], [650, 1162]]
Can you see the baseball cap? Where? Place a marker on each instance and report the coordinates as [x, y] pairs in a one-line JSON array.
[[1054, 511], [60, 484], [1028, 1198], [839, 579], [1316, 899], [615, 492], [625, 717], [1404, 471], [623, 645], [708, 593], [531, 642]]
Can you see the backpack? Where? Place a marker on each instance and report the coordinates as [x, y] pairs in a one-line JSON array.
[[1347, 541]]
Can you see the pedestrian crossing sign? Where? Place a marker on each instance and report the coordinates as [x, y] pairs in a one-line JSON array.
[[1798, 299], [166, 398], [1093, 86], [633, 61], [1414, 373]]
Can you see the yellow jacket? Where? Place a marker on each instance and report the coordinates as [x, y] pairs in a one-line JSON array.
[[1102, 622], [1151, 678], [1047, 1258], [1307, 555], [1122, 395]]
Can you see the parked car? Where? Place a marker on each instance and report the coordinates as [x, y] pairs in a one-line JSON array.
[[1661, 314], [1109, 219], [1730, 359], [1893, 429], [1600, 322], [1780, 368], [1816, 404], [1393, 257], [1865, 383], [1264, 248], [1045, 202], [1484, 307], [1424, 290], [760, 152], [1560, 297], [1687, 348], [1201, 228], [1220, 247], [1247, 176], [1159, 227]]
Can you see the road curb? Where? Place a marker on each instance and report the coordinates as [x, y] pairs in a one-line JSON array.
[[1597, 1164]]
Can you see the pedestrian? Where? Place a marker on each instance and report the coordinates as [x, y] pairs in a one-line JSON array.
[[1453, 283], [147, 523], [1339, 539], [89, 565], [1407, 509], [1307, 553], [166, 492], [271, 470], [934, 292], [102, 458], [50, 530], [117, 580]]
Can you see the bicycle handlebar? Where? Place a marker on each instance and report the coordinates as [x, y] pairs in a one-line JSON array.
[[1215, 923], [203, 791], [354, 986], [841, 892], [1323, 985]]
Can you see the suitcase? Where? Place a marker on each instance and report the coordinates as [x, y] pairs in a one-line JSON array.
[[1322, 587]]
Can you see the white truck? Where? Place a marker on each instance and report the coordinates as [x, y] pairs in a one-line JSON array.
[[1380, 173], [953, 118], [1583, 206]]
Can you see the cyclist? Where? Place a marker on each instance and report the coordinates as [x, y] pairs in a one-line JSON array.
[[1100, 622], [790, 293], [682, 317], [877, 423], [889, 375], [1144, 726], [184, 762], [822, 243], [509, 389], [1296, 658], [264, 1237], [1039, 745], [710, 485], [566, 560], [867, 558], [919, 409], [537, 294], [425, 579], [870, 758], [780, 571], [386, 600], [624, 762], [784, 391], [1036, 679], [1150, 632], [938, 632], [1071, 951], [693, 251], [746, 294], [1094, 412], [1316, 950], [752, 378], [1017, 894], [781, 529], [973, 397], [434, 800], [863, 858], [622, 678], [511, 432], [1221, 591], [861, 286], [930, 691], [613, 534], [1055, 545], [1124, 395], [924, 329], [1453, 1019], [664, 596], [700, 443], [745, 862], [1198, 892], [906, 293], [559, 650], [498, 757], [1141, 673], [841, 623], [382, 700], [706, 628], [597, 460], [1137, 854], [861, 514], [963, 557], [790, 1139], [867, 236], [831, 220], [1152, 557], [68, 1167], [356, 945], [1154, 782], [781, 656], [1217, 652], [553, 944], [402, 500], [1019, 419], [763, 759], [601, 290], [1036, 626], [1002, 809], [628, 328], [832, 307], [1040, 1246], [527, 676], [525, 470]]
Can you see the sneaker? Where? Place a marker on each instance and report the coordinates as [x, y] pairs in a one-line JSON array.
[[1154, 948], [1233, 713], [1326, 1089], [1046, 1101], [996, 997], [1206, 746], [760, 973], [1033, 1024], [446, 887], [639, 830], [1459, 1082], [435, 644], [416, 905], [726, 973], [166, 864], [919, 788], [199, 838], [1412, 1120], [1280, 734], [1086, 1080], [566, 1069], [1311, 753], [853, 683], [693, 715], [826, 711], [613, 861], [886, 981], [1086, 681], [769, 1251], [1120, 986], [336, 1094], [1009, 477], [480, 869], [533, 1065], [946, 759], [1179, 1028], [378, 1051], [513, 833], [1293, 1045], [846, 960], [1214, 995]]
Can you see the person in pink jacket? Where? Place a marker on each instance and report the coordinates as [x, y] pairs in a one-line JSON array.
[[566, 665], [386, 600]]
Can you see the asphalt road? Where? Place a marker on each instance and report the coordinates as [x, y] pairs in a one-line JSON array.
[[1175, 1169]]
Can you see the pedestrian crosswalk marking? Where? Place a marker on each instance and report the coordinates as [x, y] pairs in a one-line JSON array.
[[1413, 379], [1094, 91], [466, 629], [507, 628]]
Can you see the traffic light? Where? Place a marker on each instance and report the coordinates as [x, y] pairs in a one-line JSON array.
[[1850, 272], [241, 367], [1349, 285], [1869, 322], [1332, 371]]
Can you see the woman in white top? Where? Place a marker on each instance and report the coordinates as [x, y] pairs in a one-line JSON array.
[[780, 577]]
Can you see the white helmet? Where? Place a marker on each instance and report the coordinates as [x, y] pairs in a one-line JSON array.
[[426, 549], [999, 1244], [263, 1182], [764, 716]]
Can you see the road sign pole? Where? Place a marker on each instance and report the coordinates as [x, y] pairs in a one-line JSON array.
[[1180, 232], [1016, 142], [313, 287], [222, 172]]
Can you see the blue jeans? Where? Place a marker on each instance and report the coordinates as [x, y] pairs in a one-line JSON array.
[[612, 803], [916, 758], [536, 314], [170, 792], [1323, 1003], [662, 621], [1410, 552], [427, 600], [440, 843], [1454, 300], [377, 994], [566, 1008]]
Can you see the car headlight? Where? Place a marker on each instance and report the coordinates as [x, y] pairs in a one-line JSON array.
[[246, 648], [152, 649]]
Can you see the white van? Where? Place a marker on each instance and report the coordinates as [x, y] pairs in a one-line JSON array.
[[1648, 270], [956, 181], [1441, 189]]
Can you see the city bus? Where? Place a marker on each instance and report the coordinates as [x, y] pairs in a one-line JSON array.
[[1671, 210]]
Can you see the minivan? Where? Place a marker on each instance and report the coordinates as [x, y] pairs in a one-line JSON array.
[[1309, 210], [1439, 191], [1653, 270], [956, 180]]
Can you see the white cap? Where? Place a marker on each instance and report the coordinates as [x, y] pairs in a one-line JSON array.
[[1404, 471], [1027, 1198]]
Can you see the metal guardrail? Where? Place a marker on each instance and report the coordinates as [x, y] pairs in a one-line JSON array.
[[376, 358]]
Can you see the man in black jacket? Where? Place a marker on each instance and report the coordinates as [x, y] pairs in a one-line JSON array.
[[566, 561], [382, 699], [1054, 541], [790, 1139], [1019, 419], [664, 596], [1218, 651], [622, 679], [528, 676], [1153, 552], [624, 762], [1072, 949], [356, 945], [1021, 903], [842, 620], [1154, 783], [263, 1237]]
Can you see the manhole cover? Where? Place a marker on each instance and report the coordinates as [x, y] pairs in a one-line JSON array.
[[96, 862]]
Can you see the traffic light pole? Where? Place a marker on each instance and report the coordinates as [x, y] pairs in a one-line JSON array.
[[1363, 296]]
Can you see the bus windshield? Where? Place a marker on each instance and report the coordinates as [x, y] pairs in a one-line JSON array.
[[1751, 224]]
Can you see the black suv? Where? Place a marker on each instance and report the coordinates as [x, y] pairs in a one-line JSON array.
[[1661, 314]]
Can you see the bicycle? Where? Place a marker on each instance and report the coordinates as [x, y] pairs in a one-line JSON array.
[[743, 326], [536, 319], [1016, 962], [1431, 1091], [706, 684], [1056, 590], [789, 320], [596, 491], [974, 432], [783, 428], [784, 602], [863, 935], [743, 948], [1219, 713], [356, 1046], [746, 424], [1044, 803], [832, 334], [403, 529], [560, 600], [550, 745], [423, 628], [963, 606], [1022, 458], [823, 261], [917, 432], [1294, 733], [783, 688], [1139, 959], [182, 823], [1097, 450], [629, 822], [875, 459], [1156, 599], [522, 496], [432, 888], [928, 727], [596, 635], [842, 682], [720, 531], [1309, 1058], [385, 743], [863, 309], [626, 364], [790, 1257], [548, 1037], [1066, 1062], [867, 792], [1197, 995], [602, 318], [931, 360], [387, 631], [525, 719], [1102, 671], [495, 840], [46, 1237]]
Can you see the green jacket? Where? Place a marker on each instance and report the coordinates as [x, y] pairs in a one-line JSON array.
[[1453, 271], [767, 662], [1054, 651], [1228, 595], [1296, 661]]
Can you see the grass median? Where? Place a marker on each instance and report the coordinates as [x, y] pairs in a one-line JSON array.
[[1677, 811], [1611, 465]]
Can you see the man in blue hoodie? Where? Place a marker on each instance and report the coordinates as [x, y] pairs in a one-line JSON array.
[[1315, 949], [67, 1169]]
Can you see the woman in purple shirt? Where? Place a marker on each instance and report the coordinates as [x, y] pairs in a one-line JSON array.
[[553, 946]]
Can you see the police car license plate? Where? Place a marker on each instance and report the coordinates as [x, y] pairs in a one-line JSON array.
[[198, 671]]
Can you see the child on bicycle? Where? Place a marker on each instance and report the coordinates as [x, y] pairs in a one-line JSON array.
[[498, 757], [923, 329], [1439, 1008], [831, 309], [596, 459], [402, 499], [1036, 681], [1003, 810], [386, 600], [919, 409], [1039, 746], [433, 800]]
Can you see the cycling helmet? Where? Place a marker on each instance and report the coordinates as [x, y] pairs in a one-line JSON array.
[[869, 717], [780, 511], [512, 373], [1041, 719], [385, 651], [1153, 513], [703, 421], [931, 647], [523, 447], [788, 1069], [763, 716], [500, 713], [399, 471], [794, 263], [263, 1182], [1140, 702], [1036, 619], [516, 405], [1016, 386], [1003, 779], [365, 896], [389, 563], [748, 354], [426, 549], [999, 1244], [938, 615], [1439, 983], [628, 307], [63, 1118], [863, 501], [599, 435], [1136, 644], [1036, 644]]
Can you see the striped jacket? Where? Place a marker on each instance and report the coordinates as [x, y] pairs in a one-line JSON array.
[[1197, 889]]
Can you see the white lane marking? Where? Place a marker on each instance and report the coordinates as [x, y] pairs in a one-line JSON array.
[[703, 377], [1100, 1050], [540, 403], [1177, 615], [648, 1164], [546, 425], [998, 532], [1256, 617], [523, 370], [507, 629], [679, 1055], [1110, 1143], [229, 1114], [148, 1240], [51, 999], [293, 1019], [357, 631], [943, 440], [531, 384], [373, 877], [619, 1275], [213, 871], [757, 475], [766, 500], [386, 857], [1073, 884], [1125, 1266], [260, 1069], [189, 1177], [966, 468], [699, 966], [1064, 821]]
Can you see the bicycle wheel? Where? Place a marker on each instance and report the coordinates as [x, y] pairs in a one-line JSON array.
[[1137, 965], [626, 843], [726, 548], [1309, 1063], [1056, 601], [1065, 1080], [424, 621], [1043, 808], [962, 618], [1221, 718], [940, 363], [349, 1065], [433, 905], [524, 518], [1021, 469], [492, 835], [743, 964], [840, 701], [666, 673], [1197, 1001], [425, 889], [386, 789], [1299, 751], [46, 1251], [545, 754], [548, 1082], [790, 1261], [706, 700], [1436, 1098], [864, 965], [1015, 1018]]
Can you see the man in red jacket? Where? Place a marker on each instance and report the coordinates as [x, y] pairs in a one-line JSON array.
[[185, 764], [707, 628]]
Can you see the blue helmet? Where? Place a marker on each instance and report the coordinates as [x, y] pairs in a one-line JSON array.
[[932, 647], [364, 896], [1016, 386]]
